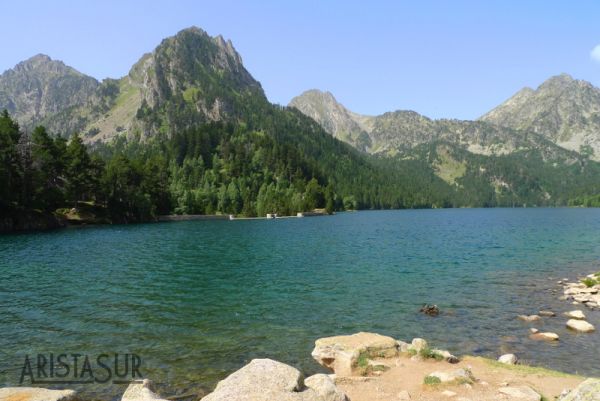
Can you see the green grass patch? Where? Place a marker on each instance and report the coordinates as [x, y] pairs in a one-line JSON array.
[[426, 353], [526, 369], [590, 282], [363, 360], [431, 380]]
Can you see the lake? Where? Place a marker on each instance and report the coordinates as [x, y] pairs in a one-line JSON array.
[[197, 300]]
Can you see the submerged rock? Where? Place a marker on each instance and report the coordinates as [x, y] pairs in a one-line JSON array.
[[341, 353], [36, 394], [580, 325], [588, 390], [508, 359], [524, 393], [529, 318], [430, 310], [142, 390], [268, 380], [546, 313]]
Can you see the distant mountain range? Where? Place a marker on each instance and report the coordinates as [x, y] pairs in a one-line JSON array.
[[562, 111], [539, 147]]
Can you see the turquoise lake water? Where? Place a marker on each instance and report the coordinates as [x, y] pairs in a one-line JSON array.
[[197, 300]]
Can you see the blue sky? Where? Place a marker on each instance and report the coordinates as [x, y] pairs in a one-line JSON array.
[[454, 59]]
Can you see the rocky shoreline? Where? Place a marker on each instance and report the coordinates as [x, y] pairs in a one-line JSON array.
[[370, 366]]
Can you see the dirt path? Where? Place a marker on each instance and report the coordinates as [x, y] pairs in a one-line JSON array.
[[406, 375]]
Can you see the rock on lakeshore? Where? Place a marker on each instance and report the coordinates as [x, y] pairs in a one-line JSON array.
[[36, 394], [508, 359], [268, 380], [580, 325], [341, 353], [142, 390], [589, 390], [418, 344], [523, 393], [456, 375], [324, 386]]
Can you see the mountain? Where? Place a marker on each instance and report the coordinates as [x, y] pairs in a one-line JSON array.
[[40, 87], [562, 109], [334, 117], [189, 130], [189, 77], [487, 164], [400, 131]]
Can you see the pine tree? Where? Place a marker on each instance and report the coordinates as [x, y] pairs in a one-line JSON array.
[[79, 178]]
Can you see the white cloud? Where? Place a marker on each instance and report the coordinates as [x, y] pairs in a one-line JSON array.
[[595, 54]]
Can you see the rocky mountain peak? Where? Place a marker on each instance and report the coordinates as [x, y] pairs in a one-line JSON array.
[[563, 109], [323, 107], [40, 86]]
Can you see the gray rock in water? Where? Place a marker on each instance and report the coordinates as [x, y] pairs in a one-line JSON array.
[[36, 394], [546, 336], [529, 318], [589, 390], [580, 325], [142, 390], [575, 314]]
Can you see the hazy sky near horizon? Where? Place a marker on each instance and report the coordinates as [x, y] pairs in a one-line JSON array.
[[453, 59]]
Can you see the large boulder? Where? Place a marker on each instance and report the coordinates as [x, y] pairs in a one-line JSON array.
[[341, 353], [580, 325], [324, 386], [141, 390], [589, 390], [268, 380], [36, 394]]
